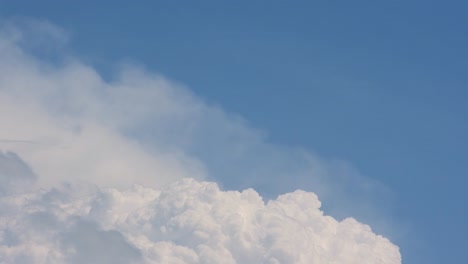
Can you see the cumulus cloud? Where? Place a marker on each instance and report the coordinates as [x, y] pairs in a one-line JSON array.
[[77, 149], [187, 222]]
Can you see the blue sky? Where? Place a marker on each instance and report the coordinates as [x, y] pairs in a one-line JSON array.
[[382, 85]]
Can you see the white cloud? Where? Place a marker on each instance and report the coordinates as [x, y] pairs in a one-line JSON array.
[[186, 222], [62, 123]]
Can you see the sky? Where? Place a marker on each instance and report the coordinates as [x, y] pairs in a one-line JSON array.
[[367, 97]]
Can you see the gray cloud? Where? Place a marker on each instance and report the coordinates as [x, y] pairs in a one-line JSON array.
[[14, 173], [88, 244]]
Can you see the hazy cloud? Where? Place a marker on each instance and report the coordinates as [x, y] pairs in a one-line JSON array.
[[143, 125]]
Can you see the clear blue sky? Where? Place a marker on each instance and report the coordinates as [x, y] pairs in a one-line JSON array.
[[381, 84]]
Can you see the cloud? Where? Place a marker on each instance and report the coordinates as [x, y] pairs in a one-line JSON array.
[[88, 244], [187, 222], [14, 173], [68, 124], [64, 126]]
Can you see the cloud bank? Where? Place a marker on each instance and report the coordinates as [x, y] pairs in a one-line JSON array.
[[77, 150], [187, 222]]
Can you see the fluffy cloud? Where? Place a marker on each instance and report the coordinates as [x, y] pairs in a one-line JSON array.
[[187, 222], [75, 145]]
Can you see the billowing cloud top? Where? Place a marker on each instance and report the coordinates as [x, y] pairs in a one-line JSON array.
[[187, 222], [76, 151]]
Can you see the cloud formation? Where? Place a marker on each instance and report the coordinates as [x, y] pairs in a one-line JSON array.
[[68, 123], [77, 150], [187, 222]]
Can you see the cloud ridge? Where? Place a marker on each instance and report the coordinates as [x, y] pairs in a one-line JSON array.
[[186, 222]]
